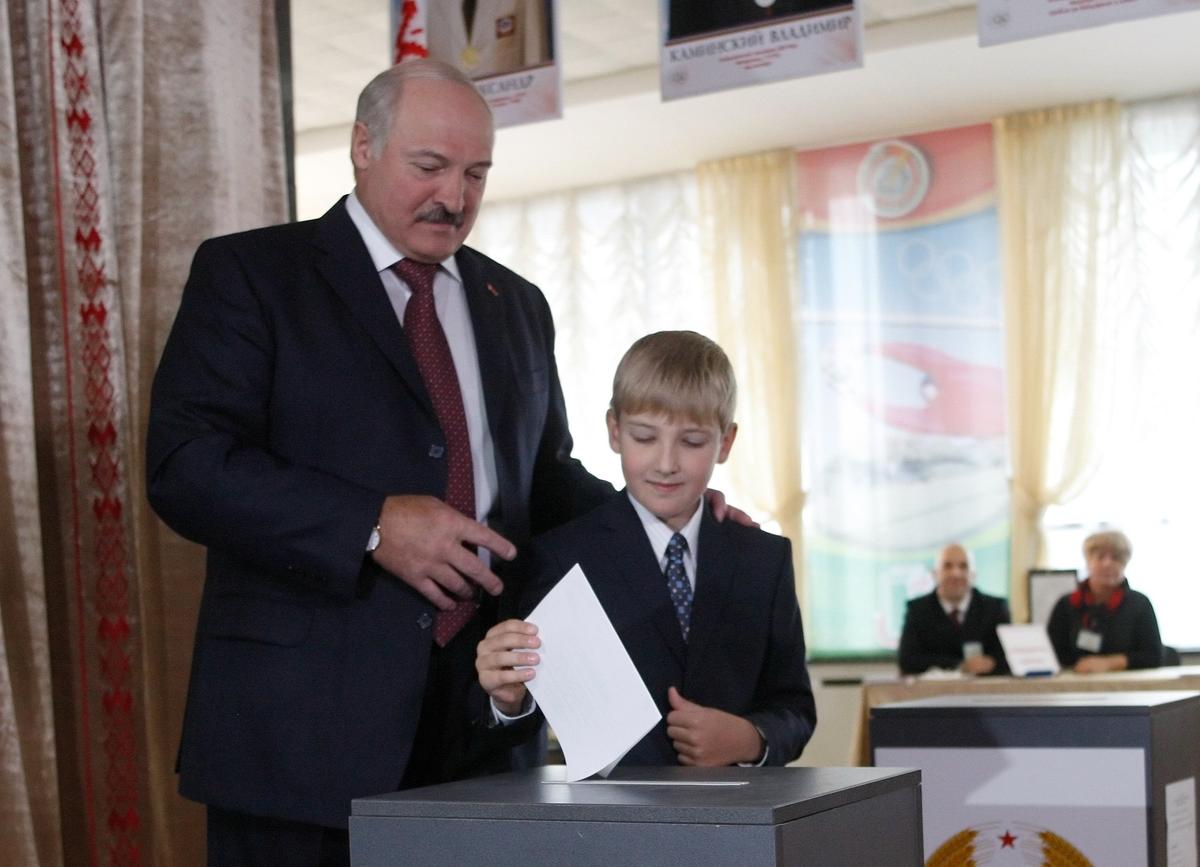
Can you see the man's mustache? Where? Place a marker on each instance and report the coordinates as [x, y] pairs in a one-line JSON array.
[[439, 214]]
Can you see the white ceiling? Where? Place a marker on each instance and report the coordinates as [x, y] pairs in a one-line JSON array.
[[923, 69]]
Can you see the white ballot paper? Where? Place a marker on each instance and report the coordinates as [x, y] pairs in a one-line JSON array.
[[586, 684], [1027, 649]]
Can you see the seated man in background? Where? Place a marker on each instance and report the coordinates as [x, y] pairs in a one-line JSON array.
[[954, 627]]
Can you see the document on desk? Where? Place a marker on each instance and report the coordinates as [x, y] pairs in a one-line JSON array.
[[1027, 648], [586, 684]]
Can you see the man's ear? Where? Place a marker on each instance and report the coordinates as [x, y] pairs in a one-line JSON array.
[[360, 146], [614, 431], [727, 439]]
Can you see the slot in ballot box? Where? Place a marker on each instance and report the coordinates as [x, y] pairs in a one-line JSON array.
[[858, 817], [1070, 778]]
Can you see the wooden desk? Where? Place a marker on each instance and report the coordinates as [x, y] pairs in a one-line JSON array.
[[910, 688]]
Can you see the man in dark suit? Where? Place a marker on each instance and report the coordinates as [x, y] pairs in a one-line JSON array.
[[300, 433], [707, 611], [954, 627]]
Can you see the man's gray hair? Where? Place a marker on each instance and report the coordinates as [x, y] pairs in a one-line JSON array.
[[378, 100]]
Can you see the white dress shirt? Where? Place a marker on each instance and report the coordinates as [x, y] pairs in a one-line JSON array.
[[962, 607], [660, 535], [450, 301]]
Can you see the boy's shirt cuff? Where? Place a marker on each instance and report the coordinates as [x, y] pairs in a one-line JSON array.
[[502, 719], [762, 761]]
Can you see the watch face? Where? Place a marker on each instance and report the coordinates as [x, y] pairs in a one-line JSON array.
[[373, 541]]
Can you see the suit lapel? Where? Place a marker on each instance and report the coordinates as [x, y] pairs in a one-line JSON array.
[[347, 267], [488, 311], [714, 576], [635, 572], [974, 615]]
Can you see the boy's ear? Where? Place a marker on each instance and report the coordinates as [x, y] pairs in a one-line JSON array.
[[727, 439], [614, 431]]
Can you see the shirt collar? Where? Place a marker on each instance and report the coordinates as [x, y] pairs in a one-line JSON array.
[[962, 606], [383, 252], [660, 534]]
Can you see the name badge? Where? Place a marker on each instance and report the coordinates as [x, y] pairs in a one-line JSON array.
[[972, 649], [1089, 641]]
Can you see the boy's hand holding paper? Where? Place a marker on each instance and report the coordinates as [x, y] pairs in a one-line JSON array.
[[584, 681]]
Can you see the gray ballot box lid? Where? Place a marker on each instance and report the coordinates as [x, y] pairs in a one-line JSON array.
[[731, 796], [1135, 703], [1067, 719]]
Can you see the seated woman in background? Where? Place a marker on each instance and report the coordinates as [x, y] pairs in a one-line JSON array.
[[1103, 625]]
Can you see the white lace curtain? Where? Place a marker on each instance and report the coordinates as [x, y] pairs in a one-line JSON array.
[[615, 262], [707, 251], [1146, 467]]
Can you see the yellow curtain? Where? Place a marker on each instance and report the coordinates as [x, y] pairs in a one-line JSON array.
[[1061, 206], [128, 133], [746, 221]]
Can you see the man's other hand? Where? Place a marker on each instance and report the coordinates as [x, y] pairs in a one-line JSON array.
[[423, 543]]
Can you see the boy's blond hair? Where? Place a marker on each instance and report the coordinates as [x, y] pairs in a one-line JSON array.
[[679, 373]]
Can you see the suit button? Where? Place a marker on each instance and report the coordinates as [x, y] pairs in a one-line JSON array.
[[436, 451], [425, 620]]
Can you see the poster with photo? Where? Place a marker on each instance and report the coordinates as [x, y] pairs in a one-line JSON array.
[[507, 47], [710, 45], [1009, 20]]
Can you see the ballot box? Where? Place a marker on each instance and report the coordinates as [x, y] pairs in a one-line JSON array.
[[1084, 778], [857, 817]]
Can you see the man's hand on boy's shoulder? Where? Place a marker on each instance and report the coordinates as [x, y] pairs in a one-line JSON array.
[[507, 644], [722, 510], [708, 737]]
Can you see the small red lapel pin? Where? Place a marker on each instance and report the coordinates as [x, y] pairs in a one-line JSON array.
[[493, 290]]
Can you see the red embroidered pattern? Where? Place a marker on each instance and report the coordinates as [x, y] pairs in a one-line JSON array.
[[111, 587]]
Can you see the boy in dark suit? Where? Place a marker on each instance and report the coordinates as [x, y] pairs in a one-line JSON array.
[[954, 627], [706, 610]]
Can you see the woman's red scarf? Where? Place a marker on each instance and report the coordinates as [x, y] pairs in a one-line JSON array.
[[1083, 598]]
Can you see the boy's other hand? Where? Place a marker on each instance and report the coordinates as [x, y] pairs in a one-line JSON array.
[[722, 510], [707, 737], [507, 644]]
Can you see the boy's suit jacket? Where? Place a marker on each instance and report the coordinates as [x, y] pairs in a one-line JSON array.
[[286, 407], [930, 638], [745, 648]]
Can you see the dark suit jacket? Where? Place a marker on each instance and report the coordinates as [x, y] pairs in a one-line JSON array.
[[286, 407], [1131, 629], [931, 640], [745, 647]]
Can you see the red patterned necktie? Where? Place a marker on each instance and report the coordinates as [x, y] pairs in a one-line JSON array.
[[429, 347]]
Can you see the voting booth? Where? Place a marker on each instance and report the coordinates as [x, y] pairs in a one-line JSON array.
[[1071, 778], [857, 817]]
